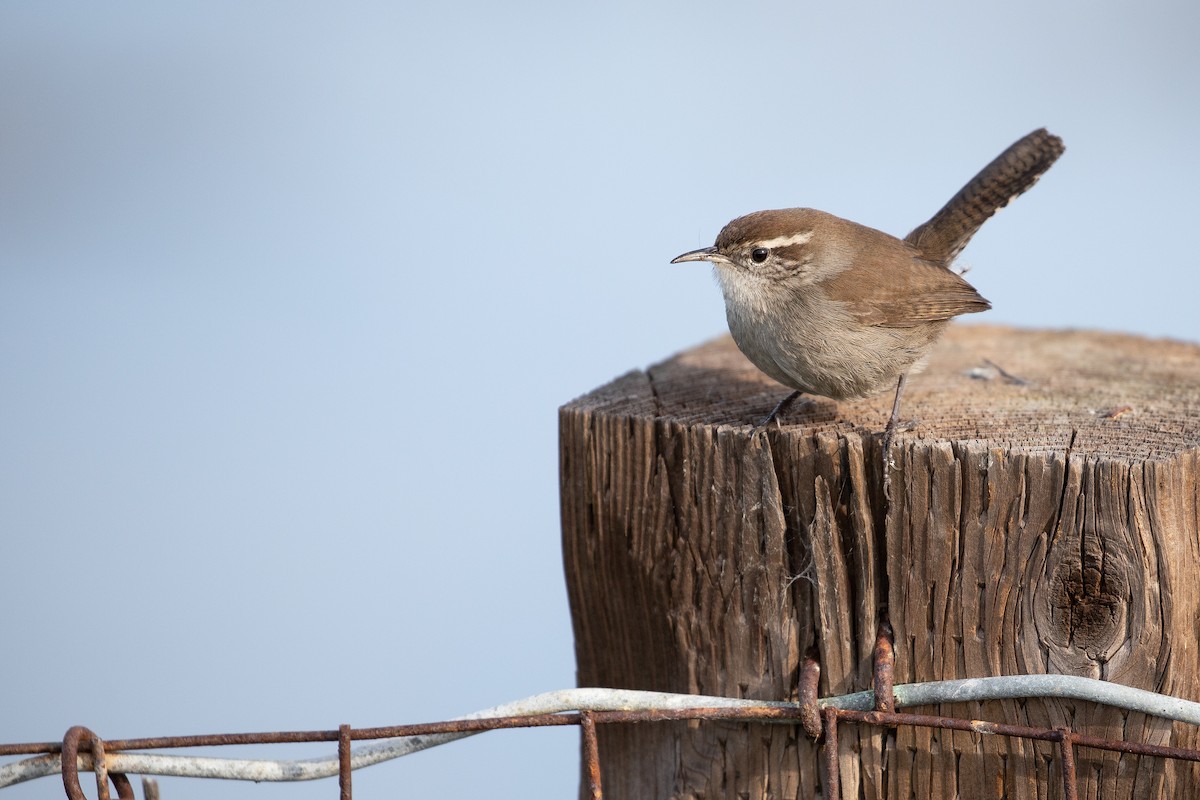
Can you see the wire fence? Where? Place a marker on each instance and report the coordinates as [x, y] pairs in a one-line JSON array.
[[81, 749]]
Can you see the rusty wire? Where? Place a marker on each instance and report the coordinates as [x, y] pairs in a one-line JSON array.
[[833, 773], [591, 753], [70, 767], [345, 764], [588, 708]]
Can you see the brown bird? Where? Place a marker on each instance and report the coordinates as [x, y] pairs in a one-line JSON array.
[[833, 308]]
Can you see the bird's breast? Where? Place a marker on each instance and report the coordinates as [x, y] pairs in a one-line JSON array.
[[810, 342]]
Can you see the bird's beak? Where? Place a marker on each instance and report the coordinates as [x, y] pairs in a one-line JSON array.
[[703, 254]]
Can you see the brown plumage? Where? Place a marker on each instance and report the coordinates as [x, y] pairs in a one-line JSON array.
[[834, 308], [1010, 175]]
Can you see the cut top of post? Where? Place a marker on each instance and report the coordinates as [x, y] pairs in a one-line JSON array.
[[1114, 396]]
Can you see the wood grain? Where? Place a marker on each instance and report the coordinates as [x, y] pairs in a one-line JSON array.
[[1048, 525]]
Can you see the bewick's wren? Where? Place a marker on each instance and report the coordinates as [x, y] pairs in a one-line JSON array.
[[833, 308]]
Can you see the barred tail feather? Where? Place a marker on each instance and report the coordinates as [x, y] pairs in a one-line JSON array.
[[1011, 174]]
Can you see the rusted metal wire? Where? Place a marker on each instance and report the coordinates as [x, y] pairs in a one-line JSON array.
[[896, 719], [70, 767], [99, 767], [1066, 754], [124, 787], [70, 764], [747, 714], [593, 707], [885, 667], [810, 677], [833, 773], [344, 733], [591, 753], [517, 714]]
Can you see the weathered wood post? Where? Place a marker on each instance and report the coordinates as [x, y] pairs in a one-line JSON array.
[[1049, 525]]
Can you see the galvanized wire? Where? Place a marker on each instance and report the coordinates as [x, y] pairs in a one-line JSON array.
[[585, 700]]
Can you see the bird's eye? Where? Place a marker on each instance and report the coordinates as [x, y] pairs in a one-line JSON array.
[[759, 254]]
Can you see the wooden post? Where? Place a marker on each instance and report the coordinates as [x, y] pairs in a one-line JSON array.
[[1047, 524]]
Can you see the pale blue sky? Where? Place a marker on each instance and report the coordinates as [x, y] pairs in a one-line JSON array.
[[290, 293]]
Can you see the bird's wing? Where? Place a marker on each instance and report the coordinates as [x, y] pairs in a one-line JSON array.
[[902, 293]]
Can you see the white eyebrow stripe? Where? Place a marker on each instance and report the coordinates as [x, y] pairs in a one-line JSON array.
[[785, 241]]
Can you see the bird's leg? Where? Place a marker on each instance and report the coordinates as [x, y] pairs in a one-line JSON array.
[[890, 431], [779, 408]]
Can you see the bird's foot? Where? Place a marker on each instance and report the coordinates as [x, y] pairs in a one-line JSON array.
[[779, 408]]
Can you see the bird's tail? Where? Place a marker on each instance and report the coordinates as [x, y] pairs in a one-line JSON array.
[[999, 183]]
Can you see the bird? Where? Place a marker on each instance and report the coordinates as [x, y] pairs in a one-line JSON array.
[[829, 307]]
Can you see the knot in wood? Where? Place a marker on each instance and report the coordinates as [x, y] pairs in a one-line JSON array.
[[1091, 601]]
